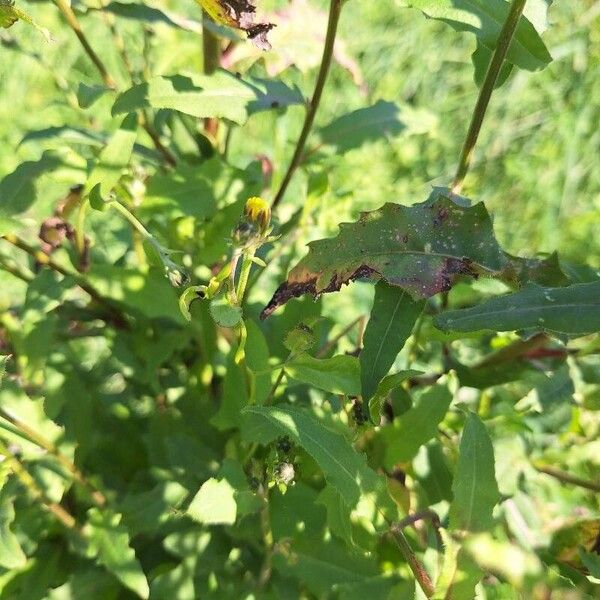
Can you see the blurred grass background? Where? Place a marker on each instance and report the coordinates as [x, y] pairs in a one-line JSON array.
[[537, 165]]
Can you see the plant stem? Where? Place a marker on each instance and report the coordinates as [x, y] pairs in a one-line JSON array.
[[243, 280], [335, 8], [331, 343], [69, 15], [29, 482], [211, 55], [33, 436], [415, 565], [485, 94], [117, 317], [593, 486]]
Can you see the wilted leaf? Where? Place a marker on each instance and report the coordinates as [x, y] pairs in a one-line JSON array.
[[421, 248], [393, 316], [214, 504], [240, 15], [338, 375], [475, 489], [572, 310]]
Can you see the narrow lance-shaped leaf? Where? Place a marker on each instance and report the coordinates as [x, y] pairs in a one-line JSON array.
[[475, 488], [392, 319], [10, 14], [421, 248], [572, 310]]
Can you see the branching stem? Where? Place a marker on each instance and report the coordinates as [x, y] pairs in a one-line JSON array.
[[504, 40]]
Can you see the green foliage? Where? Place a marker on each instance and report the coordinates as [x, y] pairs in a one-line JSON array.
[[429, 431]]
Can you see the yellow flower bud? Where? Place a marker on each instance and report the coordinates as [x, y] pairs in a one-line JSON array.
[[257, 211]]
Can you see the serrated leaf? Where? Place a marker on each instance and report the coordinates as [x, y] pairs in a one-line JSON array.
[[485, 19], [383, 119], [220, 95], [214, 504], [108, 542], [571, 310], [224, 313], [113, 159], [393, 316], [421, 248], [475, 489], [342, 466], [416, 426], [337, 375]]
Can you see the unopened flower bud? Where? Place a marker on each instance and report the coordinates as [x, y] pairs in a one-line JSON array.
[[258, 212]]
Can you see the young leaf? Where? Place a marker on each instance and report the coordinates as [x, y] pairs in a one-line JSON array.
[[485, 19], [416, 426], [338, 375], [572, 310], [421, 248], [214, 504], [383, 119], [108, 542], [475, 489], [224, 313], [342, 466], [392, 319], [113, 159]]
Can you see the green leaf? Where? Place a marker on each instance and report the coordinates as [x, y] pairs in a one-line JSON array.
[[485, 19], [10, 14], [234, 397], [224, 313], [572, 310], [338, 375], [383, 119], [385, 387], [342, 466], [11, 554], [416, 426], [88, 94], [257, 361], [422, 248], [3, 362], [338, 513], [221, 95], [591, 562], [113, 158], [475, 489], [459, 574], [108, 542], [393, 316], [214, 504], [18, 190]]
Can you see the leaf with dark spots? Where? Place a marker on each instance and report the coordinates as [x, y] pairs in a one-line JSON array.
[[240, 15], [422, 248]]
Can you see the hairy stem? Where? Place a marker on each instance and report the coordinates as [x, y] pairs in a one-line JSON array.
[[335, 9], [485, 94]]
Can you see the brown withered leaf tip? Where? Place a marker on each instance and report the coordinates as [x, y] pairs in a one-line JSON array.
[[241, 14]]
